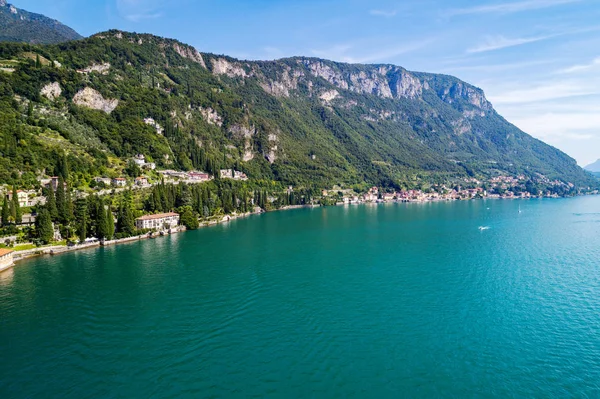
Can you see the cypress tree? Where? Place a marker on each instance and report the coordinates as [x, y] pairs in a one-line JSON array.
[[68, 204], [5, 212], [81, 213], [61, 206], [51, 202], [101, 224], [16, 207], [110, 224], [43, 226]]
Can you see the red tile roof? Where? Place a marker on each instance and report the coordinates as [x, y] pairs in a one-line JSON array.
[[157, 216], [5, 251]]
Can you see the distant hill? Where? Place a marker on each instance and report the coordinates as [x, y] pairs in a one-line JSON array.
[[594, 167], [18, 25], [300, 121]]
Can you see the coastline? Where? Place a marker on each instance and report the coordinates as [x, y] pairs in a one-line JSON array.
[[60, 249]]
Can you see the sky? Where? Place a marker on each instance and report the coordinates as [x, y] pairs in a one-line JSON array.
[[538, 61]]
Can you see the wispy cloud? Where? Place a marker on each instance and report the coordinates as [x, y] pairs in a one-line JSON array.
[[139, 10], [544, 92], [508, 8], [582, 67], [383, 13], [499, 42], [354, 52], [142, 17]]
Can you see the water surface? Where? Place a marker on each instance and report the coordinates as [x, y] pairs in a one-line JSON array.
[[394, 300]]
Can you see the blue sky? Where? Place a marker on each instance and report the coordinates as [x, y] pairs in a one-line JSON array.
[[537, 60]]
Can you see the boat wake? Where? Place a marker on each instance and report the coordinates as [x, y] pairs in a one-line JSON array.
[[481, 228]]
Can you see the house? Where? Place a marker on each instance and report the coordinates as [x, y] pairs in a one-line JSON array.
[[232, 174], [6, 258], [105, 180], [119, 181], [159, 221], [198, 176], [389, 196], [25, 198], [140, 160], [141, 181]]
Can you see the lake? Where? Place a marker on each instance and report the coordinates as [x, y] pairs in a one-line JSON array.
[[363, 301]]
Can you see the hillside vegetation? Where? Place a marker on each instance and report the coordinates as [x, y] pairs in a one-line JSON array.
[[18, 25], [95, 103]]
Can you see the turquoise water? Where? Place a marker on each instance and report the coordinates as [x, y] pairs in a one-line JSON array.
[[386, 301]]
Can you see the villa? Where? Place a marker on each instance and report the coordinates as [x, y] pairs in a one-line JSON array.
[[159, 221], [119, 181]]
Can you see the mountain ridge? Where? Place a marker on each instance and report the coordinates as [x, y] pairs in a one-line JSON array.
[[593, 167], [17, 25], [297, 120]]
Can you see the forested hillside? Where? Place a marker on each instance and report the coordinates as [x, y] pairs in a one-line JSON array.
[[97, 102], [18, 25]]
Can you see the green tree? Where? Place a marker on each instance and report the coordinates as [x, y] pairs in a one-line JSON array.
[[132, 169], [61, 202], [43, 226], [110, 224], [188, 218], [16, 207], [5, 212], [125, 220], [51, 202], [101, 222], [81, 214]]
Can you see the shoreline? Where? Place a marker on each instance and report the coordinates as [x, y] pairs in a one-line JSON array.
[[61, 249]]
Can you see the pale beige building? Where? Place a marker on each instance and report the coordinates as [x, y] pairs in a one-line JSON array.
[[159, 221]]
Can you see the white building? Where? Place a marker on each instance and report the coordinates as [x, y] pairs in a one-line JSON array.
[[233, 174], [26, 198], [119, 181], [106, 180], [159, 221]]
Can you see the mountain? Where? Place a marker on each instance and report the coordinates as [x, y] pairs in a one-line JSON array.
[[594, 167], [302, 121], [22, 26]]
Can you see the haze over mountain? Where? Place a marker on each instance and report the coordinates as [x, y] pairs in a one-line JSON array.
[[18, 25], [594, 167], [297, 120]]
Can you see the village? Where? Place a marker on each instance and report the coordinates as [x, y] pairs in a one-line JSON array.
[[163, 223]]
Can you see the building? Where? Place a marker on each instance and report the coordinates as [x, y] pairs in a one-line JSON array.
[[198, 176], [105, 180], [159, 221], [26, 198], [119, 181], [232, 174], [141, 181], [6, 258], [140, 160]]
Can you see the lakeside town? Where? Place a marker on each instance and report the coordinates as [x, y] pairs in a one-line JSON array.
[[54, 218]]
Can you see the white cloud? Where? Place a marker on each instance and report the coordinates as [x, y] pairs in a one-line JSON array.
[[141, 17], [544, 92], [139, 10], [383, 13], [381, 52], [499, 42], [508, 8], [582, 67]]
